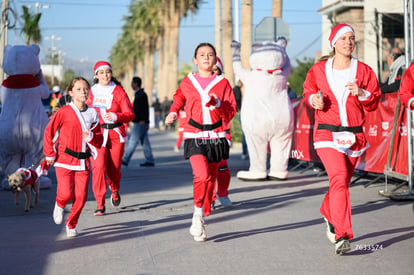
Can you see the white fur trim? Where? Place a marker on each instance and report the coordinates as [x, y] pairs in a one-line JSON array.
[[341, 32], [102, 67]]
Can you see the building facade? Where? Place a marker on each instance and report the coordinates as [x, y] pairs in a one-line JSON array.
[[378, 24]]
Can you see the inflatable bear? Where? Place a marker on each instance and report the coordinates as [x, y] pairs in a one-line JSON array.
[[23, 117], [266, 111]]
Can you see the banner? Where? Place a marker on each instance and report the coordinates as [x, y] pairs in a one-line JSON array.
[[377, 128]]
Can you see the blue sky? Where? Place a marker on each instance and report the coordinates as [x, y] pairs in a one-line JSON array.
[[86, 30]]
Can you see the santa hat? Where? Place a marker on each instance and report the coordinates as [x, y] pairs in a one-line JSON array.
[[219, 64], [100, 65], [338, 31]]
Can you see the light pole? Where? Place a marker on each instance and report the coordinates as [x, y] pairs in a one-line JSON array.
[[3, 35], [52, 56], [38, 6]]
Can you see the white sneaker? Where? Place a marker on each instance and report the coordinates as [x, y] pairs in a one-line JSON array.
[[58, 214], [330, 231], [71, 232], [342, 246], [224, 201], [197, 226], [201, 238]]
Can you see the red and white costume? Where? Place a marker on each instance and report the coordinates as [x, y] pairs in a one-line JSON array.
[[109, 99], [223, 175], [406, 91], [182, 119], [346, 113], [204, 134], [31, 176], [64, 143]]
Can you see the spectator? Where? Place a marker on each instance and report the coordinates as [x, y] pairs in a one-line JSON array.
[[139, 132], [157, 113], [396, 63]]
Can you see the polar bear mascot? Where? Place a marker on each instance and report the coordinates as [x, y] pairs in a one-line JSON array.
[[266, 112], [23, 118]]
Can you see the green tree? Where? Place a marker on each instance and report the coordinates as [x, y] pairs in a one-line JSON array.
[[298, 74], [67, 78], [151, 33], [31, 26], [186, 68]]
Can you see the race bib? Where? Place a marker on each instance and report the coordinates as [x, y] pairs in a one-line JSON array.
[[103, 102], [343, 140]]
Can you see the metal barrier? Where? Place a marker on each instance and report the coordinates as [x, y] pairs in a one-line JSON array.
[[409, 195]]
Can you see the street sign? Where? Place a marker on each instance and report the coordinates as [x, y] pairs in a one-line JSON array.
[[270, 28]]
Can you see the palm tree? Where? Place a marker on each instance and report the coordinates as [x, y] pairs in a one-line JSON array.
[[153, 27], [219, 41], [247, 25], [136, 45], [227, 38], [277, 8], [31, 26]]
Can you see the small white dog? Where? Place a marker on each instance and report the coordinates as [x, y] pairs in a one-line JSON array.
[[25, 180]]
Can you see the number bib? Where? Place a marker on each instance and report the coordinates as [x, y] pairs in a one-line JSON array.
[[343, 140], [101, 101]]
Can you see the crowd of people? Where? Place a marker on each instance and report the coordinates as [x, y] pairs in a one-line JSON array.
[[91, 123]]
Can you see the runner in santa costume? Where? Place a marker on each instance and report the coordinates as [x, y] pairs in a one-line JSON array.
[[406, 91], [115, 110], [340, 88], [208, 101], [221, 189], [70, 138]]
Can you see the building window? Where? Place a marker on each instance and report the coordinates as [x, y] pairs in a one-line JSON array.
[[392, 25]]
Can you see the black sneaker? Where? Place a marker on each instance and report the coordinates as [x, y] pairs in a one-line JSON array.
[[99, 212], [342, 246], [115, 199], [147, 164], [124, 163]]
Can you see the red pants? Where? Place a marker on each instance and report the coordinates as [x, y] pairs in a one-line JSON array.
[[223, 180], [72, 186], [204, 178], [336, 207], [179, 139], [106, 168]]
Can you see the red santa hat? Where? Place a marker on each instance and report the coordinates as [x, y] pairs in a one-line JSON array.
[[219, 64], [100, 65], [338, 31]]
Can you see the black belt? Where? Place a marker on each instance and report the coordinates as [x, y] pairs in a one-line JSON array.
[[205, 127], [111, 125], [78, 155], [338, 128]]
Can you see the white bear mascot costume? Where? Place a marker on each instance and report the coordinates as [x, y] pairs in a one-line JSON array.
[[266, 112], [23, 118]]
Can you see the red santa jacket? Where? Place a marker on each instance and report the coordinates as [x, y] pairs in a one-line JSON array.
[[194, 99], [406, 91], [350, 113], [112, 99], [64, 132]]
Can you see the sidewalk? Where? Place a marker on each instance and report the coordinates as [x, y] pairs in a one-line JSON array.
[[272, 228]]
